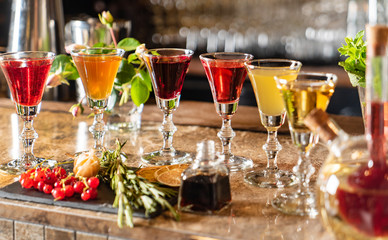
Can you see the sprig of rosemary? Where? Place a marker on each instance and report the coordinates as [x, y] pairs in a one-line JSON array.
[[132, 192]]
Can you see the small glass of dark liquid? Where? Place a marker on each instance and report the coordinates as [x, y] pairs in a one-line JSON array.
[[205, 186]]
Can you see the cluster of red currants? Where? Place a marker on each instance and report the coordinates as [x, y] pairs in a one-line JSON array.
[[59, 183]]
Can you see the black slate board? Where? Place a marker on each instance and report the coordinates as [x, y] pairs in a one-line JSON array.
[[103, 203]]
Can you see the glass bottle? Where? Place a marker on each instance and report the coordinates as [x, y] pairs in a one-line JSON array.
[[205, 186], [352, 193]]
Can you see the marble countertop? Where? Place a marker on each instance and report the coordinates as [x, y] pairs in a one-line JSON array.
[[250, 215]]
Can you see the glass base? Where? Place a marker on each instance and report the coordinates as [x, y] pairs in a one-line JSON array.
[[296, 204], [16, 166], [236, 163], [270, 179], [161, 158]]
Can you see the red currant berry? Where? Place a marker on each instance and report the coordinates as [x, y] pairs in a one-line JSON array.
[[40, 186], [58, 193], [59, 172], [70, 180], [85, 196], [69, 190], [50, 178], [92, 192], [93, 182], [39, 176], [27, 183], [58, 184], [79, 187], [47, 188]]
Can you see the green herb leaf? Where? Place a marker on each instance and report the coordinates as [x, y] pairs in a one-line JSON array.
[[128, 44], [146, 78], [139, 90], [132, 191], [355, 63], [100, 44], [64, 64], [125, 73]]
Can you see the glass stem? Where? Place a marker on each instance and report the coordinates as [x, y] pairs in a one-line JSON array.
[[28, 137], [303, 171], [98, 131], [168, 129], [271, 148], [226, 134]]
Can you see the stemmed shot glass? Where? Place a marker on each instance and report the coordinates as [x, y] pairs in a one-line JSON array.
[[272, 114], [26, 74], [168, 68], [226, 75], [302, 92], [97, 68]]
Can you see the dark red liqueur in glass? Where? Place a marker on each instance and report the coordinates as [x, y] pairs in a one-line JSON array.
[[168, 75], [27, 80], [205, 193]]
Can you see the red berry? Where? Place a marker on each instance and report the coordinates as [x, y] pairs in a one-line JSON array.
[[58, 193], [50, 178], [69, 190], [70, 180], [93, 193], [58, 184], [39, 175], [27, 183], [93, 182], [85, 195], [47, 188], [40, 186], [79, 187], [59, 172]]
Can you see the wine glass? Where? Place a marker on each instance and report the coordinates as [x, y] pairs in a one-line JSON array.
[[302, 92], [26, 74], [226, 74], [272, 114], [97, 68], [168, 68]]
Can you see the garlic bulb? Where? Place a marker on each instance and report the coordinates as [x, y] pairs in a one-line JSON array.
[[86, 164]]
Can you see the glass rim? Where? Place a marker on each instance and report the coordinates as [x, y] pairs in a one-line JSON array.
[[205, 56], [330, 77], [186, 52], [77, 52], [249, 64], [21, 55]]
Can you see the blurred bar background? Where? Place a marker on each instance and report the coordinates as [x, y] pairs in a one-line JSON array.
[[310, 31]]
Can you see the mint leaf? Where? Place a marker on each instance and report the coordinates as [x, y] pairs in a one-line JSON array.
[[128, 44], [355, 63], [139, 91]]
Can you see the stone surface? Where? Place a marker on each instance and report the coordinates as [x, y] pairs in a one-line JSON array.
[[58, 233], [250, 215], [89, 236], [6, 229], [28, 231]]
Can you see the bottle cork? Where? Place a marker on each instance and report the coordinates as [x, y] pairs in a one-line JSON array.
[[377, 40], [318, 121]]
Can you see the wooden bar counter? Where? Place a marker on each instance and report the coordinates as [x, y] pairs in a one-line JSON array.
[[250, 215]]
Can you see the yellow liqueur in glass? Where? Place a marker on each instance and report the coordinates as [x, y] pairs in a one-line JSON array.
[[301, 95], [270, 104]]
